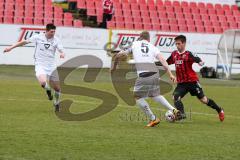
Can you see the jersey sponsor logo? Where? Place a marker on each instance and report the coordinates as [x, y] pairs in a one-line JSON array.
[[29, 32], [46, 46], [165, 40], [179, 62]]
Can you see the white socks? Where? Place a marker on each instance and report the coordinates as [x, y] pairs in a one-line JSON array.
[[163, 101], [145, 108]]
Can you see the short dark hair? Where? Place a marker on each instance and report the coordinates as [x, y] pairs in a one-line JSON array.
[[50, 26], [144, 35], [182, 38]]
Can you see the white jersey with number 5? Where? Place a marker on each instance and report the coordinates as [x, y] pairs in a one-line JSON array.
[[45, 49], [144, 55]]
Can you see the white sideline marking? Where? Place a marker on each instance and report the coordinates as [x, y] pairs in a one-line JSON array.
[[126, 106]]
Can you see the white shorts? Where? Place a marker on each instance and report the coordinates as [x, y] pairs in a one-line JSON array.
[[50, 72]]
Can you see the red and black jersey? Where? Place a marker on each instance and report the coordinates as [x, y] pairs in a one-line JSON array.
[[183, 63]]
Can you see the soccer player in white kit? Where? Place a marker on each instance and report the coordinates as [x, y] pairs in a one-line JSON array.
[[147, 83], [46, 45]]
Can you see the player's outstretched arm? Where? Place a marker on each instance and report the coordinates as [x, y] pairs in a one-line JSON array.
[[166, 67], [18, 44], [116, 58]]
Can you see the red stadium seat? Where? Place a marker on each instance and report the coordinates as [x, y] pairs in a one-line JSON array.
[[67, 16], [200, 29], [186, 10], [8, 13], [209, 5], [126, 6], [233, 25], [152, 8], [150, 2], [162, 14], [129, 25], [174, 28], [135, 13], [164, 21], [179, 16], [190, 21], [203, 11], [169, 9], [29, 14], [207, 23], [191, 28], [91, 12], [58, 22], [216, 23], [167, 3], [188, 16], [120, 25], [211, 11], [48, 14], [228, 12], [124, 1], [18, 20], [138, 26], [176, 3], [224, 24], [193, 5], [209, 29], [230, 18], [38, 21], [173, 22], [144, 14], [234, 7], [218, 6], [141, 2], [220, 12], [38, 15], [28, 20], [226, 7], [222, 18], [177, 9], [143, 8], [146, 20], [153, 13], [183, 28], [77, 23], [181, 22], [218, 30], [67, 22], [205, 17], [159, 3], [184, 4], [132, 1], [134, 7], [147, 26], [128, 19], [195, 11], [165, 27], [110, 25], [196, 16], [155, 20], [18, 13], [198, 23], [213, 17], [137, 20], [201, 5], [156, 27], [47, 20], [171, 15], [81, 4]]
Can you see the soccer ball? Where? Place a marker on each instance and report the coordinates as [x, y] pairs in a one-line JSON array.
[[170, 117]]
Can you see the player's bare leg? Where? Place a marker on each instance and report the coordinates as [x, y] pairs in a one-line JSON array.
[[42, 79], [57, 92], [209, 102], [142, 103]]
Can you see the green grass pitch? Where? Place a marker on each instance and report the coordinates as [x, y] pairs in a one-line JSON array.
[[30, 130]]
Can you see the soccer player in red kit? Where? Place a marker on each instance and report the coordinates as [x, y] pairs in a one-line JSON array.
[[187, 79]]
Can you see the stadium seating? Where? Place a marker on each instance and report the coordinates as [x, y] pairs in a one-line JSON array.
[[35, 12], [164, 15], [172, 16]]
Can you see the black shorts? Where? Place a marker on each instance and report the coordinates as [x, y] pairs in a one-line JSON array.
[[194, 88]]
